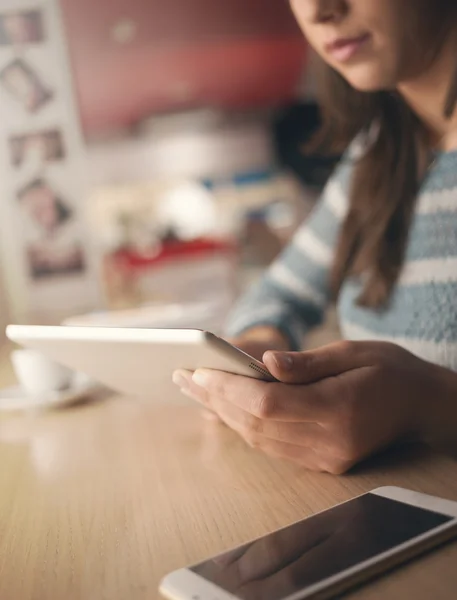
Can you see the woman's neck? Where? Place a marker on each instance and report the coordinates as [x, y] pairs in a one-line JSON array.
[[427, 95]]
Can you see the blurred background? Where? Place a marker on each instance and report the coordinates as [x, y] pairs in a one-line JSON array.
[[154, 156]]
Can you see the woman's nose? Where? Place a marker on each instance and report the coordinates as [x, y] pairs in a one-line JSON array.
[[323, 11]]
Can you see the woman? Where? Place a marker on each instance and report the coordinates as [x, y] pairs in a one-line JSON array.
[[383, 242]]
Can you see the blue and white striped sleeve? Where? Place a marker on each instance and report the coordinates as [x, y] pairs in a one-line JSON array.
[[294, 293]]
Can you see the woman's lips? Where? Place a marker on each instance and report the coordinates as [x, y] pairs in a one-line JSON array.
[[343, 50]]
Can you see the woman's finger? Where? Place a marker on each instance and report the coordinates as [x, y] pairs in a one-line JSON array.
[[301, 455], [183, 379], [306, 456], [266, 401], [210, 416], [257, 432], [315, 365]]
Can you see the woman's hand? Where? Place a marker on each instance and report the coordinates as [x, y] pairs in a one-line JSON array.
[[254, 342], [334, 406]]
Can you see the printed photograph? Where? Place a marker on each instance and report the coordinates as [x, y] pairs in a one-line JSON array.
[[23, 83], [52, 234], [23, 27], [43, 147]]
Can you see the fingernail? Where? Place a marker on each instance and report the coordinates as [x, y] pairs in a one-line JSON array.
[[181, 379], [283, 361], [188, 393], [200, 378]]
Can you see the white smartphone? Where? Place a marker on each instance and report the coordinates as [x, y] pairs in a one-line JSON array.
[[139, 361], [324, 555]]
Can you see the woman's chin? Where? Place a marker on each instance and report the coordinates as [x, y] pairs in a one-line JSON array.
[[364, 79]]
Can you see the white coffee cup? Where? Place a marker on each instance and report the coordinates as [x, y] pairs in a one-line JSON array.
[[38, 374]]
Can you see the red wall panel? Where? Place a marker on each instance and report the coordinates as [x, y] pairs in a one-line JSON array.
[[226, 53]]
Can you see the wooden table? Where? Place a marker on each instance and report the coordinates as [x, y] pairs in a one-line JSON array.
[[98, 502]]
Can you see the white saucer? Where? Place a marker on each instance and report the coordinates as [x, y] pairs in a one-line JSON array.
[[15, 398]]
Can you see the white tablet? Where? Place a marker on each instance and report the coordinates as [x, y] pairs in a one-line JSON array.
[[136, 361]]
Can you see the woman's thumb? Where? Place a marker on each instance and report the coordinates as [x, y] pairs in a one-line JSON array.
[[314, 365]]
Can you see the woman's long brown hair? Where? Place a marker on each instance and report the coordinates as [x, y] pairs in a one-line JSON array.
[[385, 181]]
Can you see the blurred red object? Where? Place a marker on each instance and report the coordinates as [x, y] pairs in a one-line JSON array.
[[180, 270], [171, 251]]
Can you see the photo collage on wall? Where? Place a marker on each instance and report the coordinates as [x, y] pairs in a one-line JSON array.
[[37, 144]]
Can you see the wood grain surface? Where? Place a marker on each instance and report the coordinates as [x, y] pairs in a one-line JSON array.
[[100, 501]]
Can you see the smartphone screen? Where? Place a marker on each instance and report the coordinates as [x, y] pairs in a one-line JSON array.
[[306, 553]]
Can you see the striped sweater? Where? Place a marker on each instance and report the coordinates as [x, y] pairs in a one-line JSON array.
[[294, 293]]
